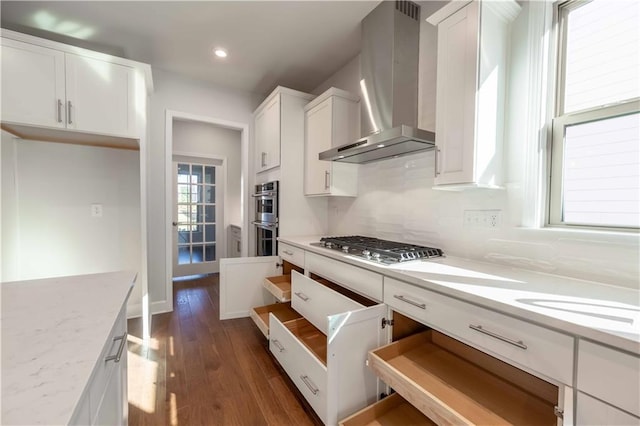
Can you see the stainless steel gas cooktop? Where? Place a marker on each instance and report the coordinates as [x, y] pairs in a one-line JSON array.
[[374, 249]]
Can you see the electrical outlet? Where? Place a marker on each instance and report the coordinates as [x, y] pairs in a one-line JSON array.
[[493, 218], [482, 218], [96, 210]]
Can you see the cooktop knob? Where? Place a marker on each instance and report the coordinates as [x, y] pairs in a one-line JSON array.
[[366, 253], [345, 249], [376, 256], [328, 245]]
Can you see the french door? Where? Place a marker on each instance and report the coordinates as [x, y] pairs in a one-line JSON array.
[[197, 223]]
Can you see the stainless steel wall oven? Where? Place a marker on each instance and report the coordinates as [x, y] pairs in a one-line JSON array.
[[266, 218]]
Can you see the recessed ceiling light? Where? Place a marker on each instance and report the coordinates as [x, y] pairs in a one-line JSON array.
[[220, 52]]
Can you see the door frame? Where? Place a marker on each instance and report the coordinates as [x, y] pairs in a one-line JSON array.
[[171, 115]]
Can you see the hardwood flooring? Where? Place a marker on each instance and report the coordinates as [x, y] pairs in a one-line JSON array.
[[198, 370]]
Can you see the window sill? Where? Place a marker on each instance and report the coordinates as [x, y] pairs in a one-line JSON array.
[[621, 237]]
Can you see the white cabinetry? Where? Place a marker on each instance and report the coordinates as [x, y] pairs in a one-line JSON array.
[[104, 401], [46, 87], [470, 91], [234, 241], [330, 120], [611, 376], [591, 411], [268, 133]]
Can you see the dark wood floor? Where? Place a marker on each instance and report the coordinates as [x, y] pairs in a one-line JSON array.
[[198, 370]]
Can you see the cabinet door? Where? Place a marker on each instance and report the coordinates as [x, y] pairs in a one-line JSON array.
[[268, 135], [318, 129], [241, 284], [110, 410], [32, 84], [99, 96], [591, 411], [456, 95]]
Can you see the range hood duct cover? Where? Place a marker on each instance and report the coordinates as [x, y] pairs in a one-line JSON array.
[[388, 86]]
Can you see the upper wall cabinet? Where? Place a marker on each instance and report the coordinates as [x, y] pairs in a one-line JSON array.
[[48, 85], [330, 120], [275, 121], [473, 44]]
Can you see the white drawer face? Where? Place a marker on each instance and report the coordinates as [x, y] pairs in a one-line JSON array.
[[515, 341], [291, 254], [357, 279], [316, 302], [590, 411], [282, 344], [610, 375]]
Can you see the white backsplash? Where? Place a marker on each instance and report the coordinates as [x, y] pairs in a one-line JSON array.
[[396, 202]]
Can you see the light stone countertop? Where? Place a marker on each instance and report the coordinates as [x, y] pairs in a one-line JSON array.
[[53, 331], [599, 312]]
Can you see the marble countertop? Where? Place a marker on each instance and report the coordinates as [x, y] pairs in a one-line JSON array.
[[600, 312], [53, 331]]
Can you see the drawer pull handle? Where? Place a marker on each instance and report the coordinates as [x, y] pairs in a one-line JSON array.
[[59, 111], [480, 329], [69, 112], [302, 296], [278, 345], [290, 253], [307, 381], [118, 355], [411, 302]]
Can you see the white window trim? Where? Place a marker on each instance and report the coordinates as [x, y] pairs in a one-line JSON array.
[[557, 121]]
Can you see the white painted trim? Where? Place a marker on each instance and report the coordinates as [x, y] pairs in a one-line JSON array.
[[134, 311], [170, 115]]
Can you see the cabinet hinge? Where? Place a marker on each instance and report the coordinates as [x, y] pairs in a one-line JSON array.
[[386, 322], [558, 412]]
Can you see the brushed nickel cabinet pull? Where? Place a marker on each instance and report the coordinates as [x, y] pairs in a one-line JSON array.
[[118, 355], [59, 111], [290, 253], [518, 343], [263, 160], [309, 384], [411, 302], [238, 244], [277, 344], [69, 112], [326, 180], [436, 157], [302, 296]]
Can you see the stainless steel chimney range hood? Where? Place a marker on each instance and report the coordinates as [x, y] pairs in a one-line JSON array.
[[388, 86]]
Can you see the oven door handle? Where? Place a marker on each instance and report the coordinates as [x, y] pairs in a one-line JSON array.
[[264, 194], [265, 224]]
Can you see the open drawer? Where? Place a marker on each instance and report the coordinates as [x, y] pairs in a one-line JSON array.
[[393, 410], [282, 311], [453, 383], [279, 286]]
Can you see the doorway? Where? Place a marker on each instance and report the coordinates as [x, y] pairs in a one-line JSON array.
[[199, 193], [163, 300]]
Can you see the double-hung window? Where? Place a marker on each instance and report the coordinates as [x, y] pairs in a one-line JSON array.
[[595, 149]]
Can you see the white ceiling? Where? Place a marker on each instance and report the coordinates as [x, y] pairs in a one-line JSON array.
[[297, 44]]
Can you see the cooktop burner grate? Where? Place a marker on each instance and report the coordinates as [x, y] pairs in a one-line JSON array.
[[379, 250]]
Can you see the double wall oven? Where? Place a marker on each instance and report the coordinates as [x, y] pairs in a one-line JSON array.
[[266, 220]]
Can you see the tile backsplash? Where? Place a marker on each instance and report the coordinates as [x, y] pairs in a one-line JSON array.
[[395, 202]]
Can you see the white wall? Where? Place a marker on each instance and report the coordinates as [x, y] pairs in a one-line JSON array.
[[49, 189], [178, 94], [396, 200], [208, 140]]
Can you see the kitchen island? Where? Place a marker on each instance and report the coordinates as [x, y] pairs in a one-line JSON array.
[[55, 332]]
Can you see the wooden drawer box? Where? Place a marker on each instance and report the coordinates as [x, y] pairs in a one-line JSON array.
[[393, 410], [282, 311], [360, 280], [609, 375], [291, 254], [452, 383], [510, 339], [279, 286]]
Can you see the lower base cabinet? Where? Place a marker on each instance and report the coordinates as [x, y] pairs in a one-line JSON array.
[[321, 340], [105, 401]]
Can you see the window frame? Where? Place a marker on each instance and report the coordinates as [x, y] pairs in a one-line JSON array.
[[561, 120]]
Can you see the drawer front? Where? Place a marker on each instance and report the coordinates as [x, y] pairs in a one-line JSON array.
[[104, 368], [357, 279], [304, 369], [282, 344], [316, 302], [291, 254], [591, 411], [510, 339], [609, 375]]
